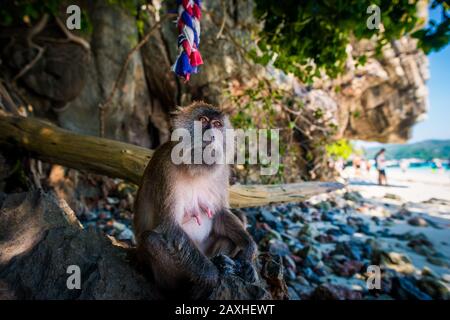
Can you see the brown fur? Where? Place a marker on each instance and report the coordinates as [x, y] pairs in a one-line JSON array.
[[170, 241]]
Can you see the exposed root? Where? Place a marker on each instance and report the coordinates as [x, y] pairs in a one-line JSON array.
[[40, 25], [71, 37]]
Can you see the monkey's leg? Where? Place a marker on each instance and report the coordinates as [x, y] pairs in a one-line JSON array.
[[229, 226], [170, 250], [230, 229]]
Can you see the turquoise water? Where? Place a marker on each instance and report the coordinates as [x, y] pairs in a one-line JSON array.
[[424, 166]]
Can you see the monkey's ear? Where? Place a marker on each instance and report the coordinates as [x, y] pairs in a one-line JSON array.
[[176, 112]]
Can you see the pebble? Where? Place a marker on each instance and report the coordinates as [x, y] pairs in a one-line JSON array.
[[313, 242], [418, 222], [126, 234]]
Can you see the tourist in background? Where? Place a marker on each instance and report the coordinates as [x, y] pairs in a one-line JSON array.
[[380, 164]]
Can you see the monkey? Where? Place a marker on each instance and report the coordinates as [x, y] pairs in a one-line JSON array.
[[182, 216]]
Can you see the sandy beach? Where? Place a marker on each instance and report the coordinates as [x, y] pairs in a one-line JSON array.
[[423, 196]]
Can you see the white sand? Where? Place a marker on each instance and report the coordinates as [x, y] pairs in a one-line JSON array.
[[414, 189]]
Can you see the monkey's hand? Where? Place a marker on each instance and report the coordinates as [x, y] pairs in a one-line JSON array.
[[248, 271], [171, 245]]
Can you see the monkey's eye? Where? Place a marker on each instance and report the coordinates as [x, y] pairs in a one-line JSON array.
[[203, 119], [217, 123]]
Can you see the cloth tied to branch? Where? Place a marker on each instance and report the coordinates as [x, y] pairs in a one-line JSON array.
[[188, 23]]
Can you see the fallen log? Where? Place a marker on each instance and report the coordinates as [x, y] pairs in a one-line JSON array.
[[47, 142]]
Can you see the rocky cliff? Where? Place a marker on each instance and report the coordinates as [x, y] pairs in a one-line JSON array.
[[378, 101]]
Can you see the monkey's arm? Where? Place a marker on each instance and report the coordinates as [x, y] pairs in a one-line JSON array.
[[229, 226], [170, 249]]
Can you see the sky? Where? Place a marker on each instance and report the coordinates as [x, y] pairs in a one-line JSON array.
[[437, 124]]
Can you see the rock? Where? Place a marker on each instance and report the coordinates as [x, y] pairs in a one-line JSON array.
[[348, 268], [335, 292], [438, 261], [422, 245], [323, 206], [278, 247], [402, 214], [353, 196], [334, 232], [119, 226], [392, 196], [418, 222], [126, 234], [446, 278], [325, 238], [270, 219], [273, 272], [234, 288], [433, 287], [353, 249], [293, 295], [376, 220], [311, 276], [404, 288], [390, 83], [427, 272], [303, 291], [346, 229], [327, 216], [395, 261], [32, 226], [38, 230]]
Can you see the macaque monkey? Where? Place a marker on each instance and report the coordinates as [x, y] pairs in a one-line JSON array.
[[182, 215]]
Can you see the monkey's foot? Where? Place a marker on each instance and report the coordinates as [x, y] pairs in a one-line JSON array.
[[241, 268], [248, 271], [225, 264]]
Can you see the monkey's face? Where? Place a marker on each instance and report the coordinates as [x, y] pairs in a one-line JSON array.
[[206, 125]]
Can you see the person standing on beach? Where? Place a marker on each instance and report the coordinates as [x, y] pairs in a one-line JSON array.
[[380, 164]]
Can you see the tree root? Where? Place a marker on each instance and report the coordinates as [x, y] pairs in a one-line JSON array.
[[35, 30]]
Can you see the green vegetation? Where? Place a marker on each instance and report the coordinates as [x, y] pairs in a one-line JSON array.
[[425, 150], [341, 148], [310, 37]]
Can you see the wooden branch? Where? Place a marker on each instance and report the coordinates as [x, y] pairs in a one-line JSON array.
[[50, 143]]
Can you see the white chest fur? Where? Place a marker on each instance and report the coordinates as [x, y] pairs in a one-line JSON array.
[[193, 196]]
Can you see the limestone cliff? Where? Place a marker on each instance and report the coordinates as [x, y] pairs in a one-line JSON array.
[[378, 101]]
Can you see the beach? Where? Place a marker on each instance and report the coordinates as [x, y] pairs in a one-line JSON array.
[[422, 195], [329, 242]]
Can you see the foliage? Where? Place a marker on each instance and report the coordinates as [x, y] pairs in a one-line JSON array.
[[14, 12], [26, 11], [309, 37], [260, 105], [437, 35], [341, 148]]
